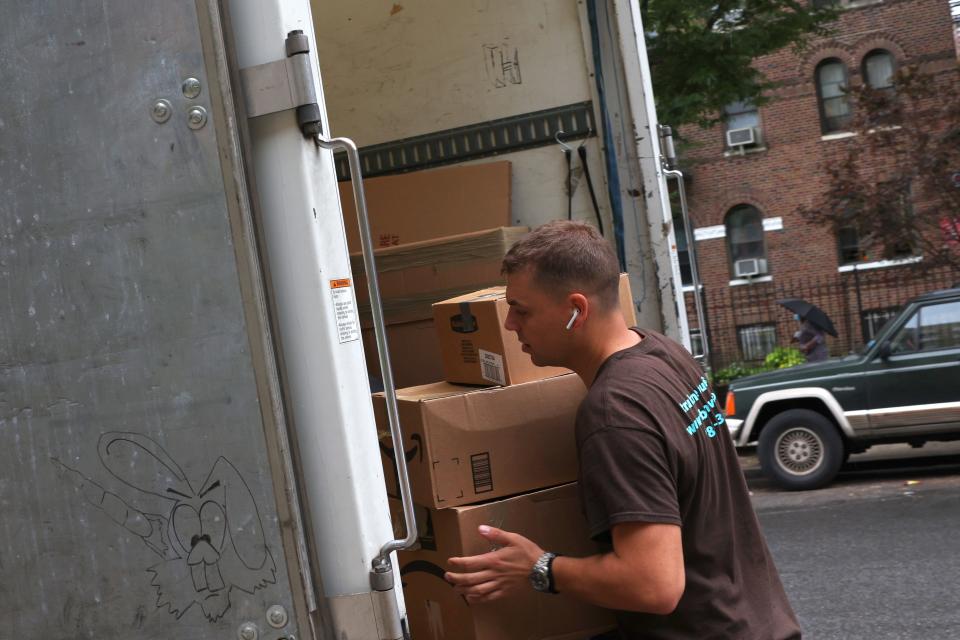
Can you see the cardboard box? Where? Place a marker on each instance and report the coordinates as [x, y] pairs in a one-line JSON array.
[[421, 205], [476, 348], [414, 276], [414, 353], [464, 444], [552, 518]]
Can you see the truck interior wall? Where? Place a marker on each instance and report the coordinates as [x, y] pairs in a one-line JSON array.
[[396, 70]]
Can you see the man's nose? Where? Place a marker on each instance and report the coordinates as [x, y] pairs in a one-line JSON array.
[[509, 323]]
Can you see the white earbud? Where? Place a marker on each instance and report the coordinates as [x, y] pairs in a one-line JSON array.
[[573, 317]]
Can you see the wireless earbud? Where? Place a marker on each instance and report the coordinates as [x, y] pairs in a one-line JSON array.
[[573, 317]]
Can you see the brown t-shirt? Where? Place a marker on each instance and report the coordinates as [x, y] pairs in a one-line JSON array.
[[654, 448]]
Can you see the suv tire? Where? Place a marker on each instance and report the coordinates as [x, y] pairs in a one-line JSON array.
[[800, 449]]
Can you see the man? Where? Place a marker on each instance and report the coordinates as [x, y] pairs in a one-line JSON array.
[[660, 482]]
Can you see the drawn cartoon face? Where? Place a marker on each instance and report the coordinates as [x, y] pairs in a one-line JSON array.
[[211, 541]]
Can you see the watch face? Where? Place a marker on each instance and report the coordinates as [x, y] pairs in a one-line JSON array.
[[540, 581]]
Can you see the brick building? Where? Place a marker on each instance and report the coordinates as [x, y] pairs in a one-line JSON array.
[[749, 175]]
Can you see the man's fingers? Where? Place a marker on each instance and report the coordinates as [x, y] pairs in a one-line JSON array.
[[469, 579], [481, 590], [471, 563], [497, 536]]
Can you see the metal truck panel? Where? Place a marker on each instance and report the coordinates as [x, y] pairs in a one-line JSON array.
[[137, 495]]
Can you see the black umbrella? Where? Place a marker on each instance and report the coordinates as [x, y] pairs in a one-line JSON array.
[[810, 312]]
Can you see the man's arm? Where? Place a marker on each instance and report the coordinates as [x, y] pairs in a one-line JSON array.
[[644, 572]]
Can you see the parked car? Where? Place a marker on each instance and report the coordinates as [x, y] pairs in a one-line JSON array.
[[903, 387]]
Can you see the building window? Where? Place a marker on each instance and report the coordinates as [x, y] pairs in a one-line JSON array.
[[683, 252], [891, 200], [872, 321], [832, 94], [852, 250], [878, 70], [744, 227], [756, 340], [743, 120], [696, 343]]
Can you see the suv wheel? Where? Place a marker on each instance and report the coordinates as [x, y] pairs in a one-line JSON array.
[[800, 449]]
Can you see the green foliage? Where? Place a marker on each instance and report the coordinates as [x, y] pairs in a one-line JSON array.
[[733, 371], [783, 357], [701, 51], [779, 358]]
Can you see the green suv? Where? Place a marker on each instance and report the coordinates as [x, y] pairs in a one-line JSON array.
[[903, 387]]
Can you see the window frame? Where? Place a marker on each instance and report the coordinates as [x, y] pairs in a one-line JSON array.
[[865, 252], [770, 327], [833, 124], [757, 127], [925, 310], [728, 232], [890, 88]]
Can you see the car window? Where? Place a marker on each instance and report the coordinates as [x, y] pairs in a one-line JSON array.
[[906, 340], [940, 326]]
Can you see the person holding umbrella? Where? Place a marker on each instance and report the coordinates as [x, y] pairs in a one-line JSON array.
[[812, 339], [814, 325]]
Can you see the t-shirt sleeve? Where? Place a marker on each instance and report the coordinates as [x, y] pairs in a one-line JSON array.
[[625, 477]]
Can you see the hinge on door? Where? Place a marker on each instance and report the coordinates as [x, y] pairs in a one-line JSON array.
[[284, 84]]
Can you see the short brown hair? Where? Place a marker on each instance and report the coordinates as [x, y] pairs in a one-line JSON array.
[[568, 256]]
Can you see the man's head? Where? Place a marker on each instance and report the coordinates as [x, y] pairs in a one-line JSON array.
[[559, 269]]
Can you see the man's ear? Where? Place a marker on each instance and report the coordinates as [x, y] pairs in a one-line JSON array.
[[581, 303]]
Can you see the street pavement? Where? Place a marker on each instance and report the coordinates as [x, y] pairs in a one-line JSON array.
[[876, 555]]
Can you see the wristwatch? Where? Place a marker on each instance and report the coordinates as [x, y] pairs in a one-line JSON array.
[[541, 576]]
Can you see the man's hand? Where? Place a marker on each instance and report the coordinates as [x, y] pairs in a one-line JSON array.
[[493, 575]]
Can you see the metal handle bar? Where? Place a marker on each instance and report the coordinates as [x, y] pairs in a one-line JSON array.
[[376, 308]]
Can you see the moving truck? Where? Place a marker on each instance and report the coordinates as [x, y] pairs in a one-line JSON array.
[[187, 440]]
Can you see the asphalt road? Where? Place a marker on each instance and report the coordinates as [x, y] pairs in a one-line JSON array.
[[877, 554]]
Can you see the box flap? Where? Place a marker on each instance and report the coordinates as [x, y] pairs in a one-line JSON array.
[[432, 391], [490, 293], [463, 247]]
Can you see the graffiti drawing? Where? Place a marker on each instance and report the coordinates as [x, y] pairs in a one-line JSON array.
[[210, 541], [501, 64]]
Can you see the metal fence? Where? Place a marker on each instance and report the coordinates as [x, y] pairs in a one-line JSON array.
[[744, 323]]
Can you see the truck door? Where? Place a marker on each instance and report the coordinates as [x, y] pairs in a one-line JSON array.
[[913, 388], [145, 476]]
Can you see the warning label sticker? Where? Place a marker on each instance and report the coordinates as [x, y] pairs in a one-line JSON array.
[[344, 310], [491, 367]]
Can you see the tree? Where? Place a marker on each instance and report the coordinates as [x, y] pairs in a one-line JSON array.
[[895, 187], [701, 51]]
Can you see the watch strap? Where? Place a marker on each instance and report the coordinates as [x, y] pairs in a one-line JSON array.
[[550, 580]]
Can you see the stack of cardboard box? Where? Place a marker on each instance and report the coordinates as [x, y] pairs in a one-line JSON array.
[[437, 234], [499, 455], [503, 456]]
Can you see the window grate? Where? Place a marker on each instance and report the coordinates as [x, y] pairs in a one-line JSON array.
[[757, 340]]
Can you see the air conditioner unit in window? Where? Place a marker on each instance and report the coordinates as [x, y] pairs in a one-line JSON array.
[[750, 267], [741, 137]]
